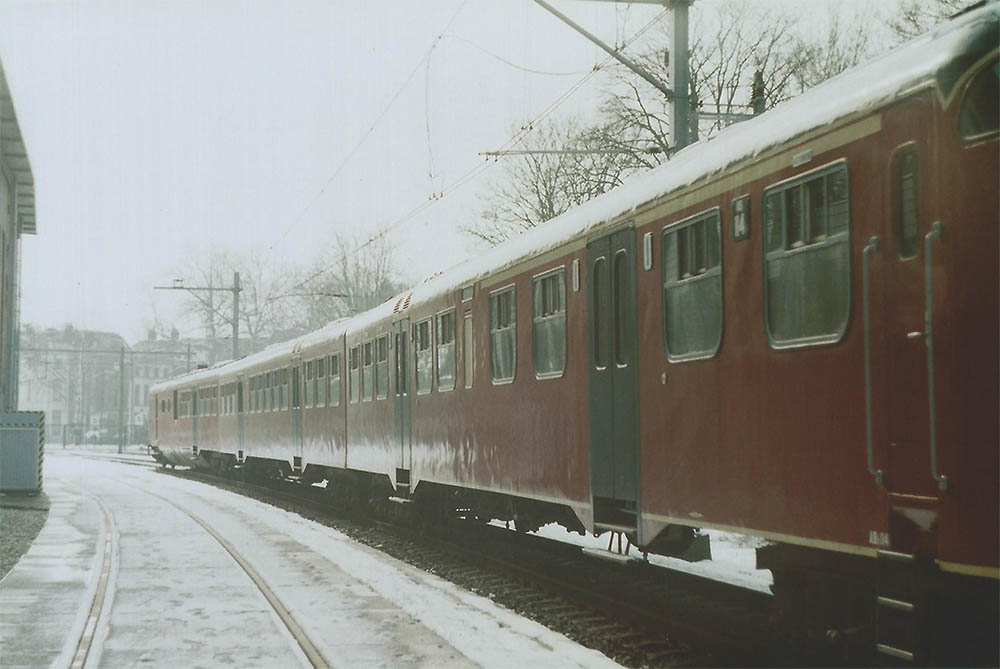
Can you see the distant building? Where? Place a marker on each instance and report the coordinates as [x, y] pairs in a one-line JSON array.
[[17, 217]]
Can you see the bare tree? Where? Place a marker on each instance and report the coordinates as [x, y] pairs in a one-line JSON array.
[[212, 309], [843, 47], [565, 165], [352, 274], [915, 17]]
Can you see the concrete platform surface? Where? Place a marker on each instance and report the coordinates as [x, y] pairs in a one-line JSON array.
[[174, 595]]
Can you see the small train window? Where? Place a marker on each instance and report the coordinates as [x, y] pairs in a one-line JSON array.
[[548, 324], [367, 372], [503, 335], [335, 380], [692, 287], [321, 381], [354, 377], [424, 356], [382, 367], [445, 334], [807, 258], [468, 350], [907, 194]]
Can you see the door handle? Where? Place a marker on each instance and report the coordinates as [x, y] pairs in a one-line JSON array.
[[935, 233]]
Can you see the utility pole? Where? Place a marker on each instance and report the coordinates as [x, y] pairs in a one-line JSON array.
[[679, 95], [121, 401], [234, 289]]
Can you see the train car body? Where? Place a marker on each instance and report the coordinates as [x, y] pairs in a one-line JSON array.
[[789, 330]]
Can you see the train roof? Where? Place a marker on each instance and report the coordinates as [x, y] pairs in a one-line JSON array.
[[926, 61]]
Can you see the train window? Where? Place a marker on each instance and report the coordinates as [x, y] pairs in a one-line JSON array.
[[382, 367], [621, 285], [468, 352], [907, 194], [445, 335], [601, 297], [354, 378], [284, 388], [503, 335], [335, 380], [692, 287], [310, 382], [979, 116], [321, 380], [548, 323], [367, 372], [175, 405], [806, 258], [424, 356], [252, 393]]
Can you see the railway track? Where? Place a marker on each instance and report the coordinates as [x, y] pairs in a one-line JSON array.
[[637, 613]]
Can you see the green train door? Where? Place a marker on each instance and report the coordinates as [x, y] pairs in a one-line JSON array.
[[401, 398], [296, 402], [240, 424], [613, 392]]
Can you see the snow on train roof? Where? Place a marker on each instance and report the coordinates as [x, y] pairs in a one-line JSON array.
[[866, 87]]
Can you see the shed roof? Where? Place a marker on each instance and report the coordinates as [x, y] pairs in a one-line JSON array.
[[14, 156]]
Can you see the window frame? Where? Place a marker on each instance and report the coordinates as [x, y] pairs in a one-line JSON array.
[[330, 375], [354, 374], [512, 288], [437, 345], [416, 356], [541, 276], [368, 370], [382, 392], [779, 187], [712, 213]]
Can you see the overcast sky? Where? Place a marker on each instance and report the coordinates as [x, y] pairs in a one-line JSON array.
[[157, 130]]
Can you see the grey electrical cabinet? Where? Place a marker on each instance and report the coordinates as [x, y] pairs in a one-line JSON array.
[[22, 450]]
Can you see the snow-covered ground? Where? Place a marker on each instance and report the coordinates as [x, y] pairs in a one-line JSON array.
[[733, 558], [177, 598]]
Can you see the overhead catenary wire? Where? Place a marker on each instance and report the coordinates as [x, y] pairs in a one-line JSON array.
[[474, 172], [298, 218]]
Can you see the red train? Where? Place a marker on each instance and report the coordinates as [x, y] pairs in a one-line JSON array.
[[789, 330]]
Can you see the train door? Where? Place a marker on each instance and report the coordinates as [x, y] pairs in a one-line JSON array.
[[912, 241], [612, 355], [401, 352], [240, 424], [296, 401], [155, 413], [194, 417]]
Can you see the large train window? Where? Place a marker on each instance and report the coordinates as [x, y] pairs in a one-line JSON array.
[[367, 372], [424, 356], [334, 380], [503, 335], [807, 258], [445, 337], [548, 323], [979, 116], [354, 377], [284, 388], [382, 367], [692, 287], [321, 391]]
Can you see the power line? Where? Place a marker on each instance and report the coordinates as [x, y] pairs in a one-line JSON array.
[[474, 172], [370, 130]]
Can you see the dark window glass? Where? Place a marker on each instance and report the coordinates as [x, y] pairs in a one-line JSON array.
[[446, 350], [424, 356], [692, 295], [621, 289], [807, 280], [907, 194], [503, 342], [600, 298], [468, 350], [548, 327], [980, 113]]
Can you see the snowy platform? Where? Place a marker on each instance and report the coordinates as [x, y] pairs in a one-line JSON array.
[[175, 595]]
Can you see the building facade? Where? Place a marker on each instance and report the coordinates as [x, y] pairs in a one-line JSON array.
[[17, 217]]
